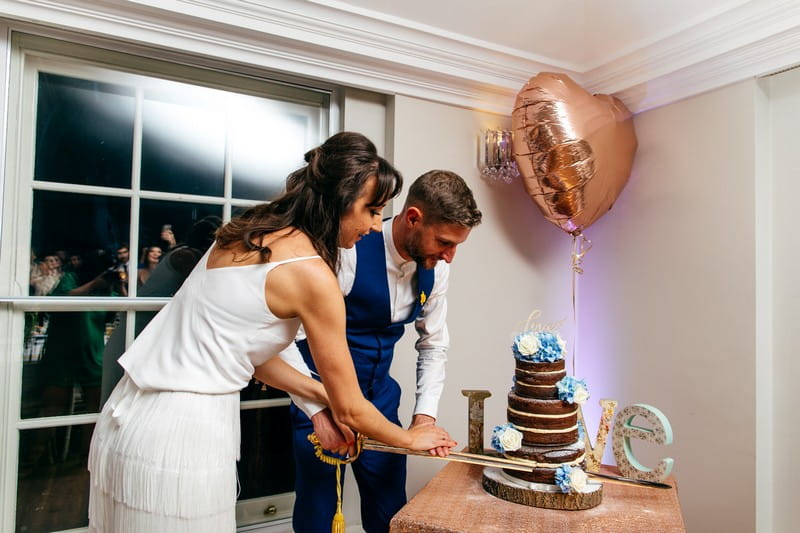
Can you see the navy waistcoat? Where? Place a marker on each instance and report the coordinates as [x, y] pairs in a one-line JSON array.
[[371, 334]]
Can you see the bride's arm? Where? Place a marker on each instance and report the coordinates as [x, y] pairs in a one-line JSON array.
[[275, 372]]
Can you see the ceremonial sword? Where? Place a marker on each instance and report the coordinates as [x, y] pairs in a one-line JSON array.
[[499, 462]]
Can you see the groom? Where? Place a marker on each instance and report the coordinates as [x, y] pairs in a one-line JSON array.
[[389, 279]]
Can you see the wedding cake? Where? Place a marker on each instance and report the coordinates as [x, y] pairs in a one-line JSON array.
[[543, 428]]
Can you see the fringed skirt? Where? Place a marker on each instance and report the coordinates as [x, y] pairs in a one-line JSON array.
[[164, 461]]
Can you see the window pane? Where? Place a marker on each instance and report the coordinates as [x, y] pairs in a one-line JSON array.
[[183, 142], [84, 131], [53, 482], [78, 234], [165, 225], [62, 369], [267, 463], [268, 141]]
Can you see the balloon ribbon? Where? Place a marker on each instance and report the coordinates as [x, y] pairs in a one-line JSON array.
[[337, 526], [580, 245]]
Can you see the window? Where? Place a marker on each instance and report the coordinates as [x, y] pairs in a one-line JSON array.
[[122, 168]]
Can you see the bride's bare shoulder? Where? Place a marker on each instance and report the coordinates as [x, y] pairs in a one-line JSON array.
[[288, 244], [283, 244]]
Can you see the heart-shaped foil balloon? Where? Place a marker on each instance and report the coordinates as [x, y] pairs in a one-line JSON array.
[[574, 150]]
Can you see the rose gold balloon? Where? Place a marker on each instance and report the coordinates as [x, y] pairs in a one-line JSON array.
[[574, 150]]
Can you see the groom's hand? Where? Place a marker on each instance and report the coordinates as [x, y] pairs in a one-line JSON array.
[[330, 436]]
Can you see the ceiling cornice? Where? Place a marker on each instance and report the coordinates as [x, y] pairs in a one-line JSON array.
[[356, 48], [754, 39]]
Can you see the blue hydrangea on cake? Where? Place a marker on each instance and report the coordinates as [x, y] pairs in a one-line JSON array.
[[572, 390], [539, 346]]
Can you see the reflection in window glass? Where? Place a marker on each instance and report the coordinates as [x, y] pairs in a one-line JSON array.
[[53, 482], [267, 144], [62, 357], [183, 146], [86, 247], [238, 210], [266, 446], [84, 131], [166, 224]]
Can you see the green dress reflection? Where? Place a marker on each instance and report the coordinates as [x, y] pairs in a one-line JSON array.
[[73, 351]]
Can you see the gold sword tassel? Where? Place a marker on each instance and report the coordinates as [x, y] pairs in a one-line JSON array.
[[337, 526]]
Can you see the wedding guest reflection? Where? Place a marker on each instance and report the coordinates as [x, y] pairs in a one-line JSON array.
[[74, 262], [167, 238], [121, 267], [150, 260], [46, 275], [72, 354]]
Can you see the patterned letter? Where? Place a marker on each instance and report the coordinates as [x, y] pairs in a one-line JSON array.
[[594, 455], [624, 431]]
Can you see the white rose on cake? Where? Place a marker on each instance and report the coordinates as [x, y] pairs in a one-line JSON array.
[[571, 478], [506, 438], [578, 479], [527, 343], [511, 440], [580, 395]]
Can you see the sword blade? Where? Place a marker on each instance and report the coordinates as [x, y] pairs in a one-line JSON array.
[[644, 482], [457, 457]]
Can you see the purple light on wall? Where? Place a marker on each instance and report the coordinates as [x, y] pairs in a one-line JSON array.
[[597, 350]]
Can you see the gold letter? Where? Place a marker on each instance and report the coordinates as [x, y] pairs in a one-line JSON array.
[[594, 455]]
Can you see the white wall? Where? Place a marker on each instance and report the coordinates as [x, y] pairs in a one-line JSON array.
[[670, 315], [784, 124], [666, 307], [365, 112]]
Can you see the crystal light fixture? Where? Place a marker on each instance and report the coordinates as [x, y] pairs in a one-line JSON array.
[[498, 158]]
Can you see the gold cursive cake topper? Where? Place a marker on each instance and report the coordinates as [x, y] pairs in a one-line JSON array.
[[532, 325]]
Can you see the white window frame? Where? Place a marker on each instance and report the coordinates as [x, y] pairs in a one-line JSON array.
[[71, 58]]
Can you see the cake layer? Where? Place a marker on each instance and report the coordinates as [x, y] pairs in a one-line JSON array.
[[536, 391], [537, 475], [548, 460], [540, 406], [549, 437], [539, 373], [560, 421], [538, 380], [531, 366], [547, 456]]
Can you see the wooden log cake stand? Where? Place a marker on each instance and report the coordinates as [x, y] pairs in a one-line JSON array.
[[498, 484], [455, 501]]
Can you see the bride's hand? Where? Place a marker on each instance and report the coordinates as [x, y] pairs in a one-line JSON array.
[[427, 437]]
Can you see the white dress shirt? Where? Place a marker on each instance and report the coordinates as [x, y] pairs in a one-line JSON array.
[[431, 326]]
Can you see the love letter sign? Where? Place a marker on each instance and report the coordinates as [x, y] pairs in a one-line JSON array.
[[658, 432]]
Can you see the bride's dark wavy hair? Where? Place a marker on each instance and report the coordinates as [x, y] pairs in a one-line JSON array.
[[317, 196]]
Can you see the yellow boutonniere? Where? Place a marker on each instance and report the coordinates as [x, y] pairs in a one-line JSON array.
[[422, 298]]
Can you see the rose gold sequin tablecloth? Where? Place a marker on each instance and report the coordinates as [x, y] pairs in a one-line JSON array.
[[454, 501]]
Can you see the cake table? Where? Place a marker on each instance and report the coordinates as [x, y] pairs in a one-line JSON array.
[[455, 501]]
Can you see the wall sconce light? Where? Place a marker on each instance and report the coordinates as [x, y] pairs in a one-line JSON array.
[[498, 159]]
